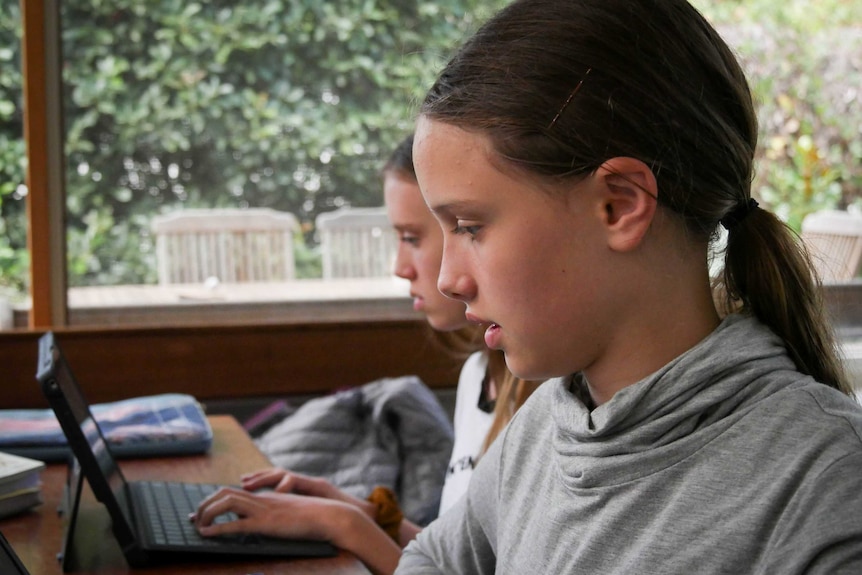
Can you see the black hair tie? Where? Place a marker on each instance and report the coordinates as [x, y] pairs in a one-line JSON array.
[[737, 214]]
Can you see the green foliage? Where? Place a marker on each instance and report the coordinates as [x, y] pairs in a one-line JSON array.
[[14, 260], [308, 260], [796, 180], [292, 105], [802, 59], [295, 104]]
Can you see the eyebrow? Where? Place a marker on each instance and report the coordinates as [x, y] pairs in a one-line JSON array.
[[406, 227], [450, 207]]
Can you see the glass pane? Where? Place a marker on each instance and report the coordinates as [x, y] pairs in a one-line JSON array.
[[802, 61], [292, 105], [14, 263], [217, 107]]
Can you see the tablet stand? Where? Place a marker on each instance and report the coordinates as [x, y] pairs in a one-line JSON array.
[[69, 509]]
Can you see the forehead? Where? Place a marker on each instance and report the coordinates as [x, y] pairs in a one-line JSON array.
[[459, 171], [434, 139], [404, 203], [450, 161]]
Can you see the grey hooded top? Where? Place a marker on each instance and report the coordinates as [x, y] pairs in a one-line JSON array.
[[727, 460]]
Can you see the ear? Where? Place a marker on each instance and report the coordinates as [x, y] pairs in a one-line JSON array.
[[629, 200]]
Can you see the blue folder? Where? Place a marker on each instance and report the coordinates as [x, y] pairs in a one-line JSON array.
[[148, 426]]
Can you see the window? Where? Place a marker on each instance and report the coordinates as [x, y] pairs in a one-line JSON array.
[[292, 105], [157, 118], [284, 106]]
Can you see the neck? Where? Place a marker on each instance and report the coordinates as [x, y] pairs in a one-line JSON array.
[[666, 321]]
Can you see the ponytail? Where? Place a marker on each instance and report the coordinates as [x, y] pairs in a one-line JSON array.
[[768, 274], [558, 94]]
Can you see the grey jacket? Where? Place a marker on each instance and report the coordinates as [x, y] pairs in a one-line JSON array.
[[390, 432], [725, 461]]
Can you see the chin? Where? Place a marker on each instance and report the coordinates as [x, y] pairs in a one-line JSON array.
[[447, 327], [437, 324], [524, 370], [446, 324]]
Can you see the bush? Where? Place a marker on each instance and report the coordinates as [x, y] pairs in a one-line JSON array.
[[804, 62], [291, 105], [294, 104]]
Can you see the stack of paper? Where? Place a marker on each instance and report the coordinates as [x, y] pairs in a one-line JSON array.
[[20, 483]]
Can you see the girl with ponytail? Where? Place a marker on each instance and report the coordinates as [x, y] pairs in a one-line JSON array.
[[581, 157]]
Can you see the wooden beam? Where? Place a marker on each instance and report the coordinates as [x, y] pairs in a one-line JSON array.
[[228, 362]]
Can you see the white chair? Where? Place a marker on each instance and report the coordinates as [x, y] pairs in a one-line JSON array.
[[232, 245], [834, 240], [356, 243]]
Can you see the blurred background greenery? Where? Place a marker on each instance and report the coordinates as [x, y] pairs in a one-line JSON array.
[[294, 104], [804, 62]]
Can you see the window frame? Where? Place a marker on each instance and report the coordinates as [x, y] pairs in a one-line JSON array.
[[209, 361], [44, 147]]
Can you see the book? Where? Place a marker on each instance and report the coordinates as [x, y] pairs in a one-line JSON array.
[[153, 425], [20, 483]]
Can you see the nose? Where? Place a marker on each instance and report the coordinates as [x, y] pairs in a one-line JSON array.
[[453, 281], [404, 267]]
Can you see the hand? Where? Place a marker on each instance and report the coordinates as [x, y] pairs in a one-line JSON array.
[[284, 481], [293, 516], [270, 513]]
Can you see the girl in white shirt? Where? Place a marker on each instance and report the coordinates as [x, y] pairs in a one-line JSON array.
[[487, 396]]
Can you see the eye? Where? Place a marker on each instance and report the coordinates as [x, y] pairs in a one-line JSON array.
[[409, 239], [471, 230]]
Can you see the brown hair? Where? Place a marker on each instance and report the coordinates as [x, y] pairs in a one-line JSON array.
[[512, 392], [400, 161], [561, 86], [460, 343]]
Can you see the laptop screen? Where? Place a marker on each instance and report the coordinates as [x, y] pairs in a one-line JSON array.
[[63, 391]]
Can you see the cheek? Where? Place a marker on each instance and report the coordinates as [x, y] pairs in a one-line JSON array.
[[535, 278], [428, 264], [502, 276]]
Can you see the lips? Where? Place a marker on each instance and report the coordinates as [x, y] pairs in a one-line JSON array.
[[473, 318], [418, 302], [493, 333], [494, 336]]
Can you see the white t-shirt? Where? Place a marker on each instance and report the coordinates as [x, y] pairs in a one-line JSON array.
[[471, 426]]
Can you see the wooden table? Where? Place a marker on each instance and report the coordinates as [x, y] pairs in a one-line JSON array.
[[37, 536]]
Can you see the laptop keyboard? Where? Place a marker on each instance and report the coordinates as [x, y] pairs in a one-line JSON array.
[[168, 506]]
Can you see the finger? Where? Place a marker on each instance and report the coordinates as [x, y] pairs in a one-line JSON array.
[[263, 478], [250, 484], [224, 501], [260, 473], [306, 485], [221, 493], [238, 526]]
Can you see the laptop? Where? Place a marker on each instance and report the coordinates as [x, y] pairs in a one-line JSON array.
[[9, 562], [148, 518]]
